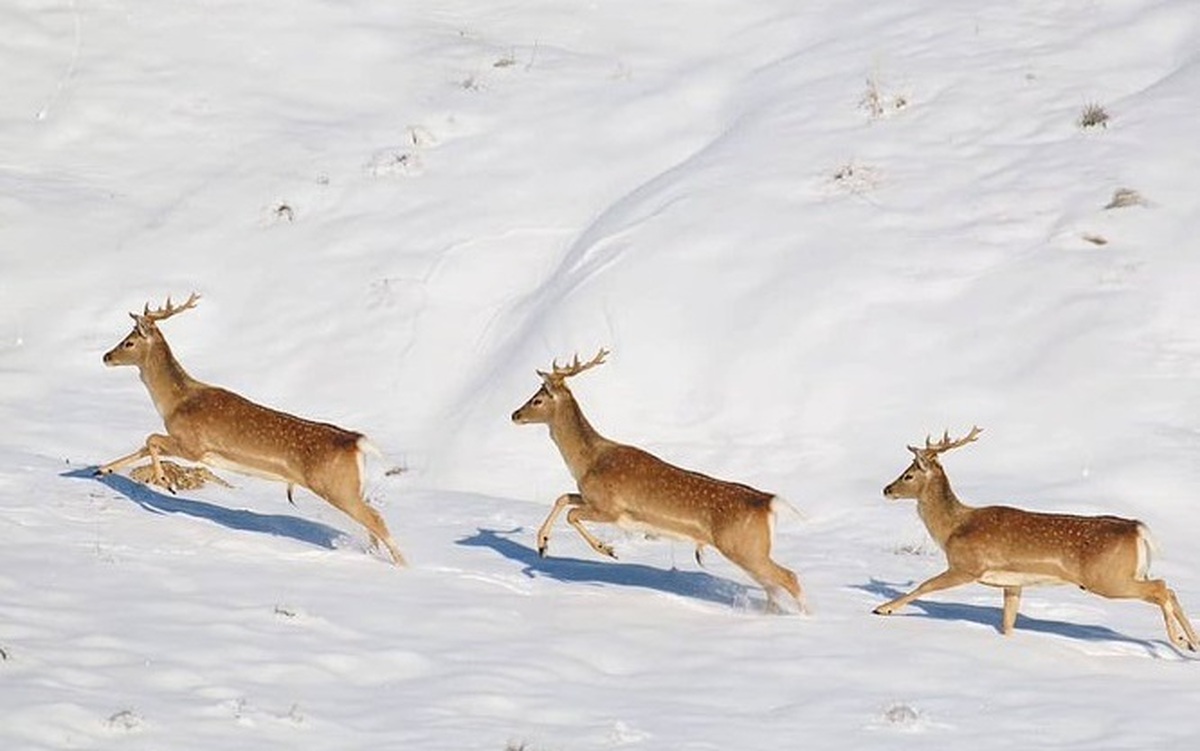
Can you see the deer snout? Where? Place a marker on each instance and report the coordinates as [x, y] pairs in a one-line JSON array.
[[517, 418], [888, 491]]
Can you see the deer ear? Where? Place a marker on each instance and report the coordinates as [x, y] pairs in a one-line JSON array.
[[921, 460], [140, 324]]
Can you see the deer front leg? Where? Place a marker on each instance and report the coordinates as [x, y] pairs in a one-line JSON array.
[[1012, 603], [157, 445], [543, 535], [945, 580], [580, 514], [115, 464]]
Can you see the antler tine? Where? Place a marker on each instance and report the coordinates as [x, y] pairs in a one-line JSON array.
[[575, 368], [169, 309], [945, 444]]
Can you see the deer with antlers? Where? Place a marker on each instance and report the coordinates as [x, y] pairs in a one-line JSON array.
[[1010, 548], [213, 426], [635, 490]]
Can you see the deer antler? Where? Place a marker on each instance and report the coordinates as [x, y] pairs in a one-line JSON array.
[[560, 374], [163, 313], [945, 444]]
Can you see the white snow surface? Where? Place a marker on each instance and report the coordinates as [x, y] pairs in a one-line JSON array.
[[811, 233]]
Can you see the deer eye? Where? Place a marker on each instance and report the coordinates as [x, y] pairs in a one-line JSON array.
[[537, 401], [909, 476], [129, 344]]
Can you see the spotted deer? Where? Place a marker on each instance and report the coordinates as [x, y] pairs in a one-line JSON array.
[[635, 490], [216, 427], [1010, 548]]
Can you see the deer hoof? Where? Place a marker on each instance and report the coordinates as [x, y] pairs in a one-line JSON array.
[[883, 610], [541, 551]]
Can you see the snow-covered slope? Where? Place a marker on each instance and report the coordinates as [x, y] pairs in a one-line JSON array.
[[809, 235]]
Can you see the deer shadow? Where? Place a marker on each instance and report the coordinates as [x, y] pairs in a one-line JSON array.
[[991, 616], [697, 585], [280, 525]]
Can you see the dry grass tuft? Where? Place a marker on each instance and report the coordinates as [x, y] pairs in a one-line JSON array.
[[178, 476], [1093, 116]]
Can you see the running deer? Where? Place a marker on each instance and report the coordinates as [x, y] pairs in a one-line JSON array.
[[209, 425], [626, 486], [1010, 548]]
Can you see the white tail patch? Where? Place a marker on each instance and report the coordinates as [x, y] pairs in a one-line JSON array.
[[780, 503], [1146, 549], [366, 447]]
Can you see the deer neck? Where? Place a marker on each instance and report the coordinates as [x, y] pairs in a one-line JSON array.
[[165, 379], [940, 509], [576, 439]]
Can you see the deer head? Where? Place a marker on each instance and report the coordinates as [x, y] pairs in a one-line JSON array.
[[134, 348], [925, 466], [548, 399]]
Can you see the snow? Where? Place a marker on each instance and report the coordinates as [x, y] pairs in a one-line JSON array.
[[810, 235]]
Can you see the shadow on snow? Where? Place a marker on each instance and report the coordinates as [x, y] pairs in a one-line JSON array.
[[295, 528], [991, 616], [698, 585]]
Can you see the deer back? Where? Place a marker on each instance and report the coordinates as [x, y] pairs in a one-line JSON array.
[[645, 492], [228, 430]]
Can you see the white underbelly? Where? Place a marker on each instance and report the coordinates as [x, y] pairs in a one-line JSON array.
[[1019, 579], [629, 524], [221, 462]]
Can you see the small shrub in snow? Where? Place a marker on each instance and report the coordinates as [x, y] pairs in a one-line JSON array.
[[901, 715], [878, 104], [1093, 116], [178, 476], [126, 719], [1124, 197], [855, 178]]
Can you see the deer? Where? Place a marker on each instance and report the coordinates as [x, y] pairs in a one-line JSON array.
[[1011, 548], [212, 426], [628, 487]]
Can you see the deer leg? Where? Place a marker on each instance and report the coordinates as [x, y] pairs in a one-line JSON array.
[[156, 445], [1155, 591], [945, 580], [1181, 617], [124, 461], [1012, 603], [585, 513], [358, 510], [771, 577], [543, 534]]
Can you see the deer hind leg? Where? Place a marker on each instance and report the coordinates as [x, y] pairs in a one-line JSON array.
[[560, 503], [586, 513], [774, 578], [1012, 603], [357, 509], [1155, 591], [1189, 633], [945, 580], [747, 543]]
